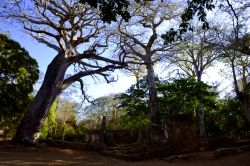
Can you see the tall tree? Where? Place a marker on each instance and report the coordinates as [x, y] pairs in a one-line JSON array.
[[235, 42], [194, 55], [140, 40], [65, 26], [102, 106]]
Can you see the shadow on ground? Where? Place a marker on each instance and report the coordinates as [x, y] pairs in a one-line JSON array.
[[18, 155]]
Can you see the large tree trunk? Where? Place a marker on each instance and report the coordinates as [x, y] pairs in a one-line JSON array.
[[152, 93], [245, 103], [153, 135], [201, 113], [28, 130], [243, 95], [203, 132]]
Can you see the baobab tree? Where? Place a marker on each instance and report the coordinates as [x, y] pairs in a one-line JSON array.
[[140, 40], [75, 32]]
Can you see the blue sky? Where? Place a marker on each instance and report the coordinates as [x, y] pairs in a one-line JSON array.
[[44, 56], [40, 52]]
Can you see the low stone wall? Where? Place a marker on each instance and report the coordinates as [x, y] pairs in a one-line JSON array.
[[74, 145], [110, 137], [93, 136], [182, 134]]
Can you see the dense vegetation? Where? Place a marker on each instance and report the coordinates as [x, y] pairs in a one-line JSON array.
[[129, 111], [18, 73]]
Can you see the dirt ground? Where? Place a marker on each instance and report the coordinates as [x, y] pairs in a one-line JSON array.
[[11, 155]]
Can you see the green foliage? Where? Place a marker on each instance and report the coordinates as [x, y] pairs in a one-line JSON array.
[[18, 73], [61, 118], [135, 101], [182, 97], [110, 9], [195, 7], [81, 130], [135, 124], [178, 96], [69, 131], [100, 107], [228, 119], [50, 122], [103, 106], [44, 130], [135, 105]]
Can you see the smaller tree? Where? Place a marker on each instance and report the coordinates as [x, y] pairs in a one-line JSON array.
[[194, 55], [61, 120], [140, 42], [66, 114], [100, 107], [182, 96]]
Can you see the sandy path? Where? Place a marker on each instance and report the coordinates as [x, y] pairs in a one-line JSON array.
[[55, 156]]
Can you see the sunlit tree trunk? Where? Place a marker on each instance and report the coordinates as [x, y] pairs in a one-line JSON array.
[[201, 113], [50, 89], [152, 93], [63, 134]]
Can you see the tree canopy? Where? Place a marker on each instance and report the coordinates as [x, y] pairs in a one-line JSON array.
[[18, 73]]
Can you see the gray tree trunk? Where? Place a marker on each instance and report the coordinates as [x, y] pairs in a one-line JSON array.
[[246, 107], [152, 93], [243, 95], [203, 132], [245, 103], [28, 130], [63, 134], [201, 114]]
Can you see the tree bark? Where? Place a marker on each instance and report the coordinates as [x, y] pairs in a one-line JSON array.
[[28, 130], [243, 95], [203, 132], [246, 107], [152, 93], [63, 134], [245, 103]]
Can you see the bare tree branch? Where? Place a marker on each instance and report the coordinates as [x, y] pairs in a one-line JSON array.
[[67, 82]]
